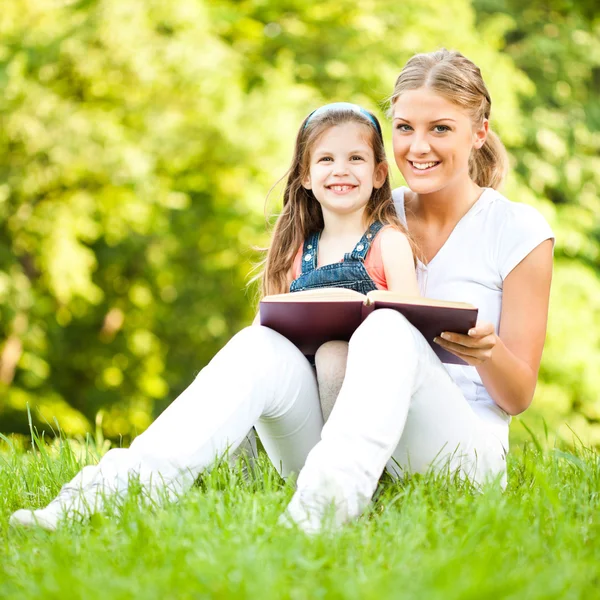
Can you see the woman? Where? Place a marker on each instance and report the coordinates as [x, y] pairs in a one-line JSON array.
[[477, 247], [398, 404]]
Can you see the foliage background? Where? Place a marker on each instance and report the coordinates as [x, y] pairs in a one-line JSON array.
[[138, 140]]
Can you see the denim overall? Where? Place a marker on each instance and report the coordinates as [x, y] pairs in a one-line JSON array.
[[350, 273]]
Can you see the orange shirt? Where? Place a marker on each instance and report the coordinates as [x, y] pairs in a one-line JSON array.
[[373, 262]]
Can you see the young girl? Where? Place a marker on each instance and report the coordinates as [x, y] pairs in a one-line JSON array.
[[338, 198], [338, 228]]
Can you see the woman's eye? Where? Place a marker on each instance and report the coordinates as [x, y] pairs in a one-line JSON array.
[[441, 128], [403, 127]]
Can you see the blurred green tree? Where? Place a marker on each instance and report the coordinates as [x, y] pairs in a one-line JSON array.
[[138, 141], [129, 185]]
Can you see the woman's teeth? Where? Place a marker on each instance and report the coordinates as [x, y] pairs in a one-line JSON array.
[[423, 166]]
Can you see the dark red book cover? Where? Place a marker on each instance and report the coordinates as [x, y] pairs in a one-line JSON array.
[[431, 321], [310, 324]]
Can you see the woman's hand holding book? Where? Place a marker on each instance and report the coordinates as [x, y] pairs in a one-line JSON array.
[[475, 348]]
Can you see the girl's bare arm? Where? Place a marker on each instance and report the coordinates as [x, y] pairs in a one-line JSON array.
[[398, 263]]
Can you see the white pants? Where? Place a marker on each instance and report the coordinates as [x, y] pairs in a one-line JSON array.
[[397, 406]]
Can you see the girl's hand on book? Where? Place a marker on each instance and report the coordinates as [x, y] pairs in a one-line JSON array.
[[474, 348]]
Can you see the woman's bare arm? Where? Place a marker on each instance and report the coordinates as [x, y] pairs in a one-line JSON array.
[[508, 362]]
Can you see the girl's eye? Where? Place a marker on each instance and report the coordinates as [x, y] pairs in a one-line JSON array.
[[325, 158], [441, 128], [356, 157]]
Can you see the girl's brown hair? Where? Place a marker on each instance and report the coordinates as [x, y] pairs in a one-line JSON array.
[[459, 80], [301, 214]]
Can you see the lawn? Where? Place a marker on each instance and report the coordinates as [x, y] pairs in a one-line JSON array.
[[425, 538]]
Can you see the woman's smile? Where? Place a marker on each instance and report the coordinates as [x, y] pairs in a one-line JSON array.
[[423, 167]]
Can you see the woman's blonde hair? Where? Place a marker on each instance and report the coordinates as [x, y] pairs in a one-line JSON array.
[[455, 77], [301, 214]]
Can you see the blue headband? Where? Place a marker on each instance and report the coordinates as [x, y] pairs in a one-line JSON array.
[[344, 106]]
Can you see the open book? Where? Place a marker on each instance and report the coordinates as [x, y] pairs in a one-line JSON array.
[[313, 317]]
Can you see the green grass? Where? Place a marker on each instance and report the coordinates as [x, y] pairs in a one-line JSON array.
[[425, 538]]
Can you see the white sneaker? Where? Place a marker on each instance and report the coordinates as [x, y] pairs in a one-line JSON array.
[[317, 509], [44, 518], [69, 504]]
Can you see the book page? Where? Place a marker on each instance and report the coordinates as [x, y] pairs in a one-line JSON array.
[[318, 295], [385, 296]]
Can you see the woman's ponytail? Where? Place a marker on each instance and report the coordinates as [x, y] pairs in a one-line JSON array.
[[489, 164]]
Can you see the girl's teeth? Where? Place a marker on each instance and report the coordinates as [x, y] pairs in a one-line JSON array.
[[340, 188], [423, 166]]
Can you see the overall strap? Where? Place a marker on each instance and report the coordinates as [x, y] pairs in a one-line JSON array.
[[362, 248], [309, 252]]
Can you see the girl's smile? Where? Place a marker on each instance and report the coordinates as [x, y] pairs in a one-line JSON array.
[[341, 189]]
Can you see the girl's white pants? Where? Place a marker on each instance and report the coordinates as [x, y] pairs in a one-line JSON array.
[[397, 407]]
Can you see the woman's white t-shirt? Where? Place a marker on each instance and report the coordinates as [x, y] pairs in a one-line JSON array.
[[484, 247]]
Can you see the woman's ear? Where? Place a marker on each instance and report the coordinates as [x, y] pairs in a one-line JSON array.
[[381, 171], [480, 134]]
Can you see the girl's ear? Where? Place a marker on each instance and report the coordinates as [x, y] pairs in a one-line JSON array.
[[381, 171], [480, 134], [306, 184]]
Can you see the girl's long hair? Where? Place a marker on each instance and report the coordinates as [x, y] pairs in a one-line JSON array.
[[459, 80], [301, 214]]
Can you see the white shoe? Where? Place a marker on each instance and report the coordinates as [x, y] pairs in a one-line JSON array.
[[69, 504], [317, 509], [44, 518]]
